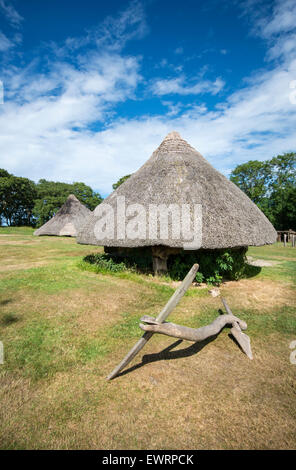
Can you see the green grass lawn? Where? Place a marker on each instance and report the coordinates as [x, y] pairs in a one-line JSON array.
[[64, 329]]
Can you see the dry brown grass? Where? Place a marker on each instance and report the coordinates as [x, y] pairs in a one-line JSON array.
[[16, 266], [211, 399], [19, 242], [250, 293], [174, 394]]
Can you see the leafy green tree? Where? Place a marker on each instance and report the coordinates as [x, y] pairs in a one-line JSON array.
[[22, 202], [86, 195], [120, 181], [283, 169], [253, 178], [271, 185], [52, 195], [4, 173], [17, 196], [284, 208]]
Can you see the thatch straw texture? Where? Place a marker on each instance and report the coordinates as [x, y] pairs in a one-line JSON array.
[[177, 174], [68, 221]]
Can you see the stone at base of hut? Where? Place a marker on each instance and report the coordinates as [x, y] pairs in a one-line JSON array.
[[214, 292]]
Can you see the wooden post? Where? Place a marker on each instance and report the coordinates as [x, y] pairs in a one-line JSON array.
[[174, 300], [159, 265], [285, 239]]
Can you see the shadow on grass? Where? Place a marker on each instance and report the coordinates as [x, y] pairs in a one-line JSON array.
[[5, 302], [167, 354], [8, 319], [251, 271]]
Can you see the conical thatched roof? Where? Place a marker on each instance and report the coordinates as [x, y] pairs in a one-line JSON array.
[[177, 174], [68, 221]]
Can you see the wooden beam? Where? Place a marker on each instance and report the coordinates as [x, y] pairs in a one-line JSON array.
[[171, 304], [191, 334]]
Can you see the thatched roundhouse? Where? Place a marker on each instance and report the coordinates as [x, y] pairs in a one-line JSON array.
[[177, 174], [68, 221]]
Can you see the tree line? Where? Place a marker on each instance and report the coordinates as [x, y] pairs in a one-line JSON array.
[[271, 184], [24, 202]]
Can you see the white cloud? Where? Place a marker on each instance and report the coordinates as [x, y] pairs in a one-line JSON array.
[[282, 21], [10, 13], [50, 112], [178, 86], [173, 108], [129, 24], [179, 50], [112, 34], [68, 96], [14, 19], [5, 43], [277, 28], [51, 126]]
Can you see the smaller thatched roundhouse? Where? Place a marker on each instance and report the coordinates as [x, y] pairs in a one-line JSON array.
[[68, 221], [175, 176]]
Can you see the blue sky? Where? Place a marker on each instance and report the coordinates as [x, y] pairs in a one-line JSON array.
[[91, 88]]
